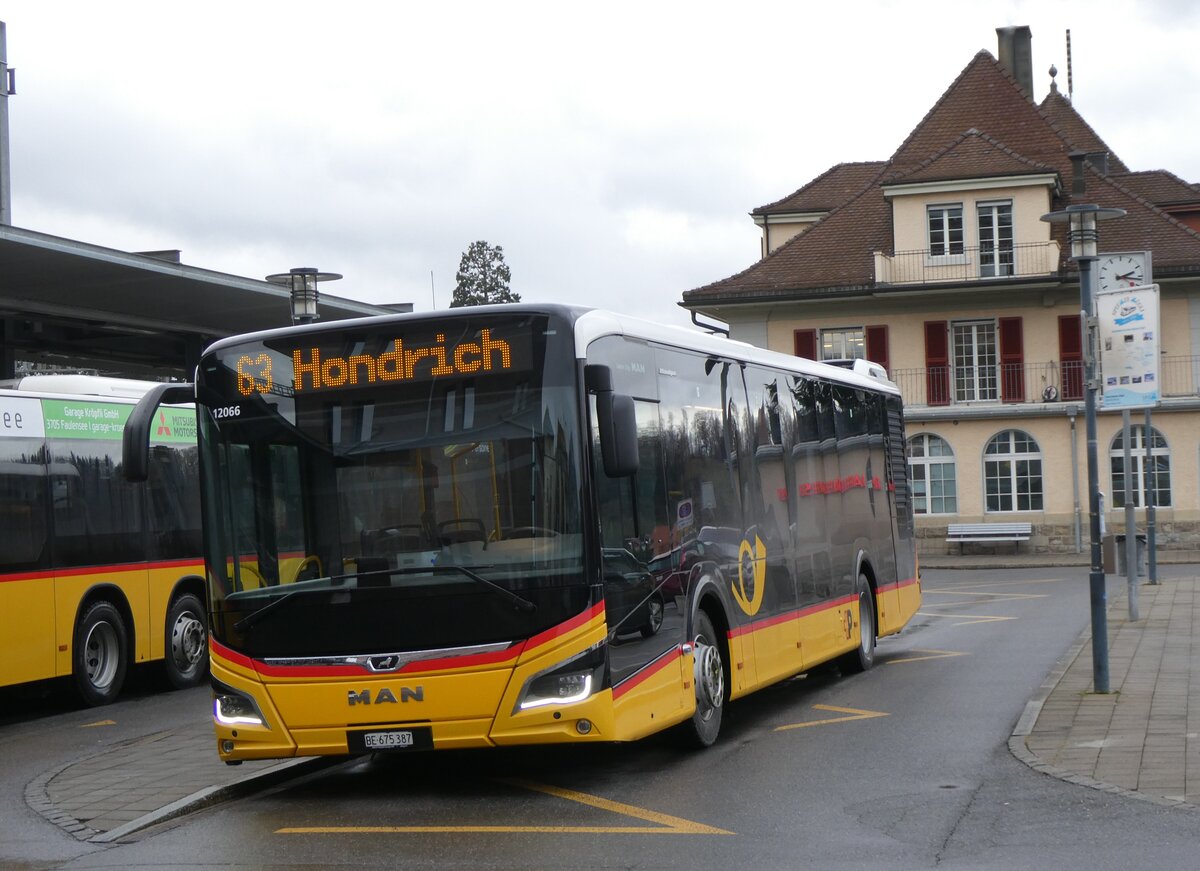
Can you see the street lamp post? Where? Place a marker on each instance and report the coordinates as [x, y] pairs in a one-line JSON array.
[[1082, 219], [303, 284]]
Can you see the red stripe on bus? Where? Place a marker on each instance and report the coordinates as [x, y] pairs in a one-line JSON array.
[[75, 571], [907, 582], [571, 625], [767, 622], [646, 673], [509, 654], [216, 648]]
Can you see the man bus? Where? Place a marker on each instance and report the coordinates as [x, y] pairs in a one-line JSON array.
[[433, 531], [96, 574]]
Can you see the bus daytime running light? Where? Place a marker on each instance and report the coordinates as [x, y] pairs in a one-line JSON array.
[[560, 689], [232, 708]]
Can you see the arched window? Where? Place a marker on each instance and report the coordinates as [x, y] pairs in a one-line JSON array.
[[931, 475], [1012, 472], [1160, 467]]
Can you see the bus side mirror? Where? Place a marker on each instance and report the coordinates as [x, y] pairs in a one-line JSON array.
[[135, 441], [617, 422]]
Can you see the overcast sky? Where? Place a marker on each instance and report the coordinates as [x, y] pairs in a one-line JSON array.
[[614, 149]]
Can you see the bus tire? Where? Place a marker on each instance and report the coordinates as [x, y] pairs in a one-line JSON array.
[[186, 658], [709, 678], [863, 656], [100, 656]]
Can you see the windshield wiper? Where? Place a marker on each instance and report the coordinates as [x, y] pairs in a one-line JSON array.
[[521, 603], [254, 616]]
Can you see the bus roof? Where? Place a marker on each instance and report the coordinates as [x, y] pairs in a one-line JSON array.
[[81, 385]]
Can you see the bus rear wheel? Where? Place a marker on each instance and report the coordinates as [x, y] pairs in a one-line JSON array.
[[100, 655], [862, 657], [186, 658], [709, 674]]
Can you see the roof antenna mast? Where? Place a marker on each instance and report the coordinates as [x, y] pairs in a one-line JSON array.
[[1070, 77]]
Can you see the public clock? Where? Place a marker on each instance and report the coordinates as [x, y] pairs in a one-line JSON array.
[[1123, 269]]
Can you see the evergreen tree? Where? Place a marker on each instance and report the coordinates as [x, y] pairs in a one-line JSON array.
[[482, 277]]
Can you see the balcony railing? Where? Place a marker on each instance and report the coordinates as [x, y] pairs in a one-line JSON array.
[[983, 263], [1009, 383]]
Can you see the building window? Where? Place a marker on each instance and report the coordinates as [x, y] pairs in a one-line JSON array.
[[1012, 473], [931, 475], [975, 362], [1160, 467], [945, 230], [843, 344], [995, 239]]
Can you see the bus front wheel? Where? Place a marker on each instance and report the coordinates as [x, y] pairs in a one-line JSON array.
[[710, 671], [100, 655], [863, 656], [187, 642]]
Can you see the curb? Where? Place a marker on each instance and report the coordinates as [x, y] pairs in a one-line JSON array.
[[209, 796], [1033, 708]]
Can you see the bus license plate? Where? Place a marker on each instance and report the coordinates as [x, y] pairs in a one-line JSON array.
[[380, 740], [387, 740]]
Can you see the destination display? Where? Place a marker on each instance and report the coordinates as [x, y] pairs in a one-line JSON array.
[[313, 368]]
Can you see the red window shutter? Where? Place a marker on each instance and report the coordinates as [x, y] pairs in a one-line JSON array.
[[937, 363], [1012, 361], [1070, 356], [877, 345], [806, 343]]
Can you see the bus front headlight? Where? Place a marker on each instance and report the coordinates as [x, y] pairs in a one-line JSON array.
[[566, 683], [234, 708]]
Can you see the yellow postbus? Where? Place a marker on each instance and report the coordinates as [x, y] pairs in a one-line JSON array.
[[96, 573], [531, 524]]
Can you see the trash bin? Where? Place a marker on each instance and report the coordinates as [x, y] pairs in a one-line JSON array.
[[1140, 540]]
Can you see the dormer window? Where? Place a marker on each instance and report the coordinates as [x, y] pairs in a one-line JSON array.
[[946, 230]]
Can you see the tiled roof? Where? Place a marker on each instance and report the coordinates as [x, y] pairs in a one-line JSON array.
[[827, 191], [983, 125], [1175, 246], [1076, 131], [1160, 187], [985, 97], [970, 155]]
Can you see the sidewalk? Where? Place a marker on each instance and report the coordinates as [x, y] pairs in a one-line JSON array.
[[1142, 739]]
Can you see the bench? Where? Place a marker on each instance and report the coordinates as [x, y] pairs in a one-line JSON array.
[[1014, 532]]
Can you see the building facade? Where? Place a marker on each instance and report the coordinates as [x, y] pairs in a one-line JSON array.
[[936, 264]]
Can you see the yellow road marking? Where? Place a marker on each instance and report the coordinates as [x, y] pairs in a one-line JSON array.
[[99, 723], [667, 824], [854, 713], [999, 597], [932, 654], [971, 618]]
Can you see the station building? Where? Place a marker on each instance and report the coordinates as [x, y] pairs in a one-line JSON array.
[[935, 263]]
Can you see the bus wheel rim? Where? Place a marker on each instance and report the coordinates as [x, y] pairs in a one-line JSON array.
[[187, 640], [710, 679], [100, 654]]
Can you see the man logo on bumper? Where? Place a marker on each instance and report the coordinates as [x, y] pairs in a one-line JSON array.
[[386, 696]]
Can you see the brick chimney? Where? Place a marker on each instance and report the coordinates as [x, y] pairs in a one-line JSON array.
[[1016, 55]]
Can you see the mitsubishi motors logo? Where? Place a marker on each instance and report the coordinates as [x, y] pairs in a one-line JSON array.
[[163, 429]]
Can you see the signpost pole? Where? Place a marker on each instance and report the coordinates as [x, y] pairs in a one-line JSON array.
[[1131, 562]]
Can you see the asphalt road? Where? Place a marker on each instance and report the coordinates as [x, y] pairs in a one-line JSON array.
[[905, 766]]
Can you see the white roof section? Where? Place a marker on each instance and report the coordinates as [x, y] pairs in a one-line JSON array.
[[597, 323]]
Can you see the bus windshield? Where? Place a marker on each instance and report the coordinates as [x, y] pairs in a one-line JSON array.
[[397, 486]]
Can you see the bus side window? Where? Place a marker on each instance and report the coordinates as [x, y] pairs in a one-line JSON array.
[[22, 505]]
